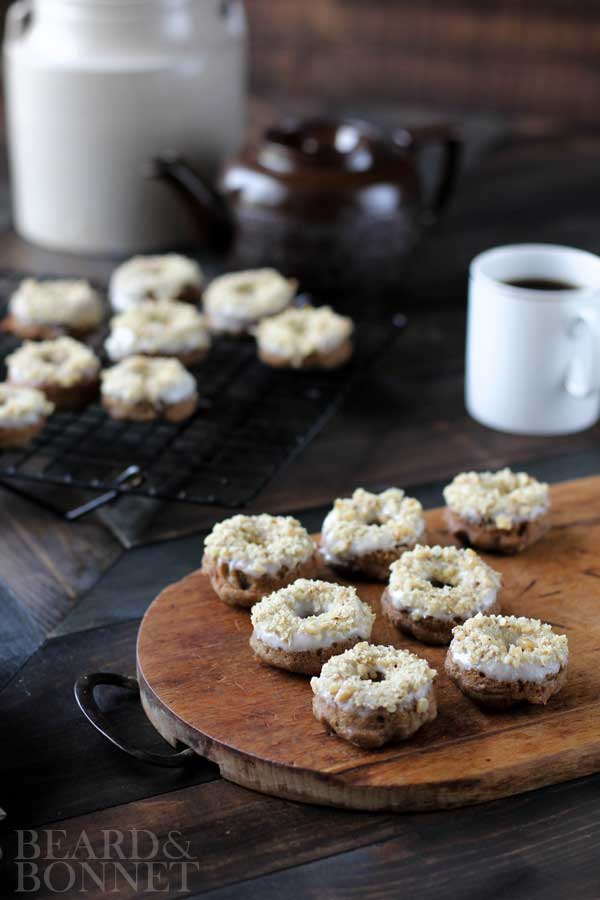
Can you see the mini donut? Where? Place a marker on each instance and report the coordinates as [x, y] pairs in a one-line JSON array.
[[144, 388], [301, 626], [372, 695], [499, 511], [432, 589], [40, 310], [502, 660], [234, 303], [305, 337], [159, 328], [248, 557], [23, 414], [364, 534], [64, 369], [166, 277]]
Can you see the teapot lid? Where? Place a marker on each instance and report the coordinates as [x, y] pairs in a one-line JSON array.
[[349, 145]]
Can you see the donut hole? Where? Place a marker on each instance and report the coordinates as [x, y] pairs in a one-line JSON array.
[[439, 583], [52, 357], [245, 288], [304, 611], [373, 520], [374, 675]]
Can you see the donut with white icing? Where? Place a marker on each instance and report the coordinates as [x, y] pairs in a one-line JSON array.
[[300, 627], [373, 695], [39, 310], [23, 414], [64, 369], [144, 388], [248, 557], [432, 589], [364, 534], [500, 511], [234, 303], [306, 337], [159, 328], [158, 277], [502, 660]]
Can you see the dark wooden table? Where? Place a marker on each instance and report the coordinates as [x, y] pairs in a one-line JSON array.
[[72, 597]]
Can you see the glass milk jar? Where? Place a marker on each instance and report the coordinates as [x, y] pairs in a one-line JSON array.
[[96, 88]]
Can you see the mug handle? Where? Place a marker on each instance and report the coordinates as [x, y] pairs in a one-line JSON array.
[[415, 139], [582, 378]]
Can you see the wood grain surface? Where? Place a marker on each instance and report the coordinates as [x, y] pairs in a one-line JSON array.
[[202, 686]]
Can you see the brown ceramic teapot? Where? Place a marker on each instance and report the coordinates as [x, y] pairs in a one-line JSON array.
[[337, 204]]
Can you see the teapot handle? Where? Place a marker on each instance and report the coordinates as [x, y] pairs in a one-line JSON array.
[[415, 140], [208, 206]]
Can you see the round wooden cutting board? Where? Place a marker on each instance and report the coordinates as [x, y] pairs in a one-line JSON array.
[[200, 685]]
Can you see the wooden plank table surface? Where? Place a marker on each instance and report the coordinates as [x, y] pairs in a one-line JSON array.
[[72, 597]]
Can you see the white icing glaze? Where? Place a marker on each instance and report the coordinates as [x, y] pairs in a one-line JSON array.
[[500, 671], [426, 690], [301, 641]]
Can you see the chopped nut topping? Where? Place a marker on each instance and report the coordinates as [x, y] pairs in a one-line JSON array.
[[442, 582], [373, 677], [297, 333], [70, 303], [315, 609], [368, 522], [514, 641], [258, 545], [62, 361], [500, 499]]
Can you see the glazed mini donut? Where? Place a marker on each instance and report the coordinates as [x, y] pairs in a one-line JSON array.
[[305, 337], [248, 557], [234, 303], [502, 660], [167, 277], [46, 309], [159, 328], [500, 511], [432, 589], [143, 388], [364, 534], [23, 414], [301, 626], [372, 695], [64, 369]]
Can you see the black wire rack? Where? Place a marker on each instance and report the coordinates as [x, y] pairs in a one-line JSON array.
[[250, 422]]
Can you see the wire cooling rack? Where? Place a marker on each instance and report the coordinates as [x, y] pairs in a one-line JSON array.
[[251, 421]]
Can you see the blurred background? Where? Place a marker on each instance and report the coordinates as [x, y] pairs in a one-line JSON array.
[[516, 56]]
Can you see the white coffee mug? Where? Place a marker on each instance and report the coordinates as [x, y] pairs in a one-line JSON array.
[[533, 354]]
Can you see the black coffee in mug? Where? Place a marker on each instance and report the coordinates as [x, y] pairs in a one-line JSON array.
[[542, 284]]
